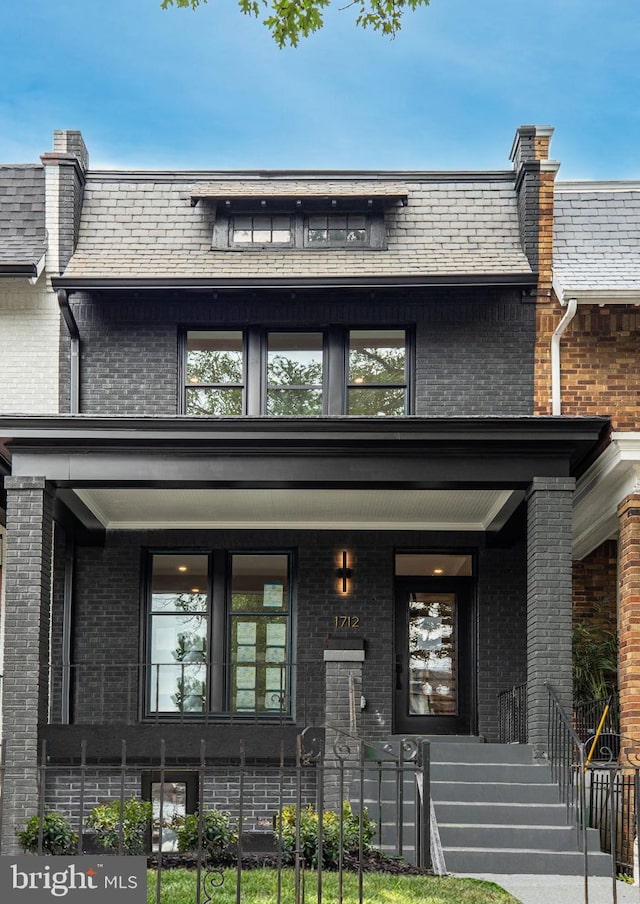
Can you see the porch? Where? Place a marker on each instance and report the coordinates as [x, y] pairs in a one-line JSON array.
[[320, 512]]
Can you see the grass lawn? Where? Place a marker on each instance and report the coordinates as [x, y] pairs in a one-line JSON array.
[[259, 886]]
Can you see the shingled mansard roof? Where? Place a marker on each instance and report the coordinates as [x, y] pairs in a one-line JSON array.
[[597, 236], [137, 225], [22, 225]]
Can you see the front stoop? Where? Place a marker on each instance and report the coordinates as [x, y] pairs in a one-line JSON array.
[[499, 811]]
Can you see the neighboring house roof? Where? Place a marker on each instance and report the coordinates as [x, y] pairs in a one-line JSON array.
[[137, 225], [597, 237], [22, 222]]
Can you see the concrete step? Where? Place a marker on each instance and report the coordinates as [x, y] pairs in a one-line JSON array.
[[534, 838], [478, 812], [454, 752], [495, 792], [518, 773], [523, 861]]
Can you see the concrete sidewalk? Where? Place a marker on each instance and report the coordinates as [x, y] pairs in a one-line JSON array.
[[560, 889]]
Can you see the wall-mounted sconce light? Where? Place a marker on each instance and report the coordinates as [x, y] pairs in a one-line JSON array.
[[343, 573]]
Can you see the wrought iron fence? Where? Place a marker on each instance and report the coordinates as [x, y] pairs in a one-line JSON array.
[[588, 715], [512, 715], [612, 808], [318, 808]]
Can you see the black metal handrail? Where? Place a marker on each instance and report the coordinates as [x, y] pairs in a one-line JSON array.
[[566, 753], [512, 715]]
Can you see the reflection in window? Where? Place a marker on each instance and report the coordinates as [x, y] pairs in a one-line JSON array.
[[259, 632], [337, 230], [215, 373], [178, 633], [261, 230], [432, 654], [294, 374], [171, 799], [377, 383]]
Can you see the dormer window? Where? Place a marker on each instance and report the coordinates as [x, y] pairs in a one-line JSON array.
[[260, 230], [300, 215], [334, 231]]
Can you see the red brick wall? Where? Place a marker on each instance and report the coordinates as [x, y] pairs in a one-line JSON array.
[[629, 616], [595, 581], [599, 362]]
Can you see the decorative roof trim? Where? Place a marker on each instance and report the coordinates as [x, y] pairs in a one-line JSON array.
[[79, 284], [598, 295], [19, 270], [191, 177], [576, 186]]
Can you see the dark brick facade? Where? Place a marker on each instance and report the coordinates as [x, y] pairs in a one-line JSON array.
[[108, 623], [474, 348]]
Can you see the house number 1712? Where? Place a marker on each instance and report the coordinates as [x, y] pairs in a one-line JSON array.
[[346, 621]]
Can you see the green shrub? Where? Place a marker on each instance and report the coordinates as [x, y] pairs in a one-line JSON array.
[[57, 835], [136, 821], [330, 834], [217, 833]]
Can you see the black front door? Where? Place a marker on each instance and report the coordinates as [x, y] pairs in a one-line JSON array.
[[434, 656]]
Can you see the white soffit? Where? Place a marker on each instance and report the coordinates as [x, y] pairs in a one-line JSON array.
[[143, 508], [612, 477]]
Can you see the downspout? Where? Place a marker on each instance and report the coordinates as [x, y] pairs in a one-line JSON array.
[[569, 314], [74, 363]]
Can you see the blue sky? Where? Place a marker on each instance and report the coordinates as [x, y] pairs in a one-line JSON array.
[[179, 89]]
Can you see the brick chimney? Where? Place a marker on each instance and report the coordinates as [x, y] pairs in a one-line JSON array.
[[65, 169], [535, 179]]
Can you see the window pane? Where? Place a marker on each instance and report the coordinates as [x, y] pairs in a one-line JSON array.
[[294, 359], [337, 229], [260, 582], [434, 564], [178, 632], [294, 402], [171, 798], [262, 230], [377, 402], [377, 356], [432, 654], [259, 666], [260, 636], [177, 688], [214, 357], [214, 402], [179, 583]]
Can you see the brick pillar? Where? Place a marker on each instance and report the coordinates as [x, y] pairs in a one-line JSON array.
[[343, 683], [549, 616], [27, 607], [629, 616]]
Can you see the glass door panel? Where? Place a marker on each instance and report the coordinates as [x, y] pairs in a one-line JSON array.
[[434, 663], [432, 654]]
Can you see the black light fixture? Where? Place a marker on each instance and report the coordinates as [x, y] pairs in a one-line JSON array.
[[344, 572]]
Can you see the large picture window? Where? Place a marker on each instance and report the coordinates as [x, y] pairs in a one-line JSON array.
[[219, 633], [284, 373]]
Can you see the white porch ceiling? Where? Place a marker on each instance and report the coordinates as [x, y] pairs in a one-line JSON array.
[[612, 477], [319, 509]]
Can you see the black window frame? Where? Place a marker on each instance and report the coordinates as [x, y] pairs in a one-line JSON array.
[[217, 692], [183, 368], [376, 240], [252, 215], [335, 370]]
